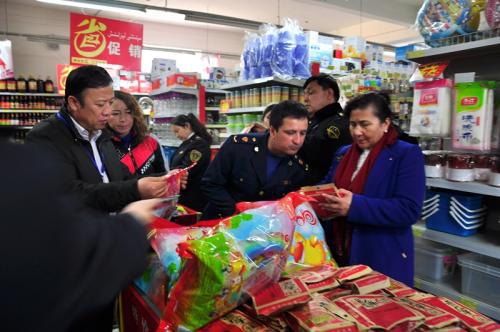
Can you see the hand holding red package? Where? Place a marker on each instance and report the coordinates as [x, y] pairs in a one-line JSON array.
[[177, 180], [315, 195]]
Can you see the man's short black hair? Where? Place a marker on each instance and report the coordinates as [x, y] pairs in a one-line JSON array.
[[85, 77], [325, 82], [287, 109]]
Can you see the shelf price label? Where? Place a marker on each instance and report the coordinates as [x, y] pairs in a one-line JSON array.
[[468, 302], [415, 54]]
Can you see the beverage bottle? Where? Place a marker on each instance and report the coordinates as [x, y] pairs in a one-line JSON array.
[[39, 84], [21, 84], [31, 84], [48, 85], [3, 85], [11, 85]]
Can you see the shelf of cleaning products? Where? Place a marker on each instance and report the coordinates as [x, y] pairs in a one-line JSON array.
[[263, 80]]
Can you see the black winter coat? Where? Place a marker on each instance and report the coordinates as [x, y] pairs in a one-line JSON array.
[[77, 170], [193, 149], [61, 263], [328, 130]]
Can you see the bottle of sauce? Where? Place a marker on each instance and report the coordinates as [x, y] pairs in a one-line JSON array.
[[21, 84], [32, 84], [11, 85], [3, 85], [39, 85], [49, 85]]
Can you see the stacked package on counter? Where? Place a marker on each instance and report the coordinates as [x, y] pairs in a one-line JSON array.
[[431, 108], [473, 115]]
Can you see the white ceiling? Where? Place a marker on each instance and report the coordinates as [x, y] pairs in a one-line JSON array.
[[380, 21]]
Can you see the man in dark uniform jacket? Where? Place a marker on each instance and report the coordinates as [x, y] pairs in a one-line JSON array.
[[258, 167], [328, 128]]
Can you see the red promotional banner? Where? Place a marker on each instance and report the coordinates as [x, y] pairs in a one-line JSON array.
[[62, 74], [97, 40]]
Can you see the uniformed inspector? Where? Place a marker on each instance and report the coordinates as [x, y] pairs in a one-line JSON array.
[[328, 128], [258, 167]]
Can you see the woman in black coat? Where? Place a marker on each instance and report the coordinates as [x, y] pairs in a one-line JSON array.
[[195, 147]]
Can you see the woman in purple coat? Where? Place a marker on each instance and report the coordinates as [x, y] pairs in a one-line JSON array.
[[382, 187]]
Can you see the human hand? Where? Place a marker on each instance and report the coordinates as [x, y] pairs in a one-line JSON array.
[[340, 204], [152, 187], [143, 210]]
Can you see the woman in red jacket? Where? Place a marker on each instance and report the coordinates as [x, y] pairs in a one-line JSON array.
[[137, 150]]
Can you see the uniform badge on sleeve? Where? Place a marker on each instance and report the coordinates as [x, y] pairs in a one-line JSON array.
[[333, 132], [194, 156]]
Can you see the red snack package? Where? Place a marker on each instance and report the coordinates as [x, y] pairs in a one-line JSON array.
[[398, 289], [277, 323], [277, 297], [323, 285], [434, 318], [471, 319], [336, 293], [315, 196], [314, 274], [314, 316], [173, 179], [234, 321], [378, 312], [370, 283], [353, 272]]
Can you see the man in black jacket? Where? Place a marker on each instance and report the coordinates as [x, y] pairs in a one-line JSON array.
[[61, 263], [328, 128], [86, 156]]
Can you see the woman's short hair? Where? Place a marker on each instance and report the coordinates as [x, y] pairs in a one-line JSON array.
[[379, 101]]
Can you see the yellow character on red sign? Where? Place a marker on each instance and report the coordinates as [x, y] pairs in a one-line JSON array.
[[90, 41]]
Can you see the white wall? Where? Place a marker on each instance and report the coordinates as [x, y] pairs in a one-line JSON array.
[[36, 57]]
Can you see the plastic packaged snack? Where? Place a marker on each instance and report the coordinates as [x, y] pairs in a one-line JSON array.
[[493, 13], [241, 255]]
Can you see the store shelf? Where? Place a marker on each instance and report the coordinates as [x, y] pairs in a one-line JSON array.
[[449, 289], [263, 80], [167, 142], [246, 110], [163, 90], [27, 111], [471, 187], [216, 126], [212, 108], [474, 48], [484, 244], [480, 57], [216, 91], [30, 94], [11, 127]]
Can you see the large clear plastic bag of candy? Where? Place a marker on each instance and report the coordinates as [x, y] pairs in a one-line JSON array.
[[282, 61], [439, 19], [240, 255], [309, 246], [269, 38]]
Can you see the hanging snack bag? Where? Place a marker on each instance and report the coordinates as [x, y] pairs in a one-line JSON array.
[[431, 108]]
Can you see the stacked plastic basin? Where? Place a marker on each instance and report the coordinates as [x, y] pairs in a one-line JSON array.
[[453, 212]]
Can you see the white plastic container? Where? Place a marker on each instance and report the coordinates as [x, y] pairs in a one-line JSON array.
[[433, 261], [480, 277]]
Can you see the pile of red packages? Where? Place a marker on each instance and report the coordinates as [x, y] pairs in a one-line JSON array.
[[348, 299]]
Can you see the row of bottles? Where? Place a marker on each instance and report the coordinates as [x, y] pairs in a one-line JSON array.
[[31, 102], [31, 85], [21, 119]]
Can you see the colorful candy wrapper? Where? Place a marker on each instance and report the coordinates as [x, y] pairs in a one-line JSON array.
[[173, 179], [309, 246], [241, 255]]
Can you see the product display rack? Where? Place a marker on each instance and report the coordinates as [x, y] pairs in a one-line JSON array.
[[481, 57], [264, 80], [449, 288], [242, 110]]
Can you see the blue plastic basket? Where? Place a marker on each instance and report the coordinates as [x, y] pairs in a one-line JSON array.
[[441, 217]]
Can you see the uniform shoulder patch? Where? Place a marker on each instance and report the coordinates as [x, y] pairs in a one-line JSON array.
[[194, 155], [333, 132]]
